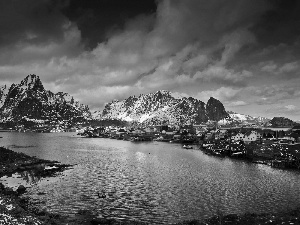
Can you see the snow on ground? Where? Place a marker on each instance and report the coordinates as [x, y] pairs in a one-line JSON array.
[[145, 117], [240, 117]]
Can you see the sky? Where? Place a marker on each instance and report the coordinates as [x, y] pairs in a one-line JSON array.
[[245, 53]]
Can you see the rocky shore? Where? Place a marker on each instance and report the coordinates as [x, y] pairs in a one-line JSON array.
[[16, 209]]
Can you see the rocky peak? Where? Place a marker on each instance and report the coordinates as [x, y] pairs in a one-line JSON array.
[[29, 99], [215, 110], [32, 81]]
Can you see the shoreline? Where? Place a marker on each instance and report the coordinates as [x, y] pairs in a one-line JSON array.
[[16, 209]]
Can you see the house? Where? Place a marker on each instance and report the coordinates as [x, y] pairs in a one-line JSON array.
[[201, 130], [286, 140], [249, 136], [177, 137], [187, 129], [238, 136], [252, 136], [120, 132], [149, 130], [220, 134]]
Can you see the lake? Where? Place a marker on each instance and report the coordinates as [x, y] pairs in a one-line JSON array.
[[153, 182]]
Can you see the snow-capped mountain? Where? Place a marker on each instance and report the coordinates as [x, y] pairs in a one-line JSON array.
[[246, 119], [163, 107], [29, 100]]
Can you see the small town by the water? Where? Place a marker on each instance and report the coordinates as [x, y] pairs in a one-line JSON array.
[[274, 146]]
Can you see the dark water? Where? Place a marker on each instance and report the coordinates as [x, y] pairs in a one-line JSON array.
[[152, 182]]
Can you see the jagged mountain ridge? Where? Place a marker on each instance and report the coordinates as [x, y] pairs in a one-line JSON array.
[[163, 107], [247, 118], [30, 100]]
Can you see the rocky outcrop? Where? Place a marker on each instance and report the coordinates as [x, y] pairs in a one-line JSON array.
[[281, 122], [215, 110]]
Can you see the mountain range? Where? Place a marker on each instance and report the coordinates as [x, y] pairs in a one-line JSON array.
[[163, 107], [29, 101]]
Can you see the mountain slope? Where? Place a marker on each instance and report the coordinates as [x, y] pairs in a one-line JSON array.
[[163, 107]]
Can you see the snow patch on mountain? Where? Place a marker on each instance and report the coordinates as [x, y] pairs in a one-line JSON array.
[[239, 117]]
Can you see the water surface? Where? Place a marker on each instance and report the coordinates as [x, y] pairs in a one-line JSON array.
[[152, 182]]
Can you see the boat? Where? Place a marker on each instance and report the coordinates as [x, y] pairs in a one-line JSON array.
[[187, 147], [218, 152]]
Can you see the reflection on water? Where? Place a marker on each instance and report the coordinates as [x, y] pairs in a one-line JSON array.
[[26, 178], [30, 176], [153, 182]]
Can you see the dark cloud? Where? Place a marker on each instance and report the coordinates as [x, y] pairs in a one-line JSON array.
[[279, 24], [98, 19], [31, 21]]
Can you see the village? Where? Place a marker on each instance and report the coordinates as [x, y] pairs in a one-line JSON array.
[[278, 147]]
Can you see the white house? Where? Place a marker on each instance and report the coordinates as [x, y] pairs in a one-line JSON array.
[[238, 137], [247, 137], [252, 136]]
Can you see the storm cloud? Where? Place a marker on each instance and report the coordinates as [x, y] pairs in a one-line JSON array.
[[101, 51]]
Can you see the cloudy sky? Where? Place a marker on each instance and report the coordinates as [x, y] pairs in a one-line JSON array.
[[243, 52]]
